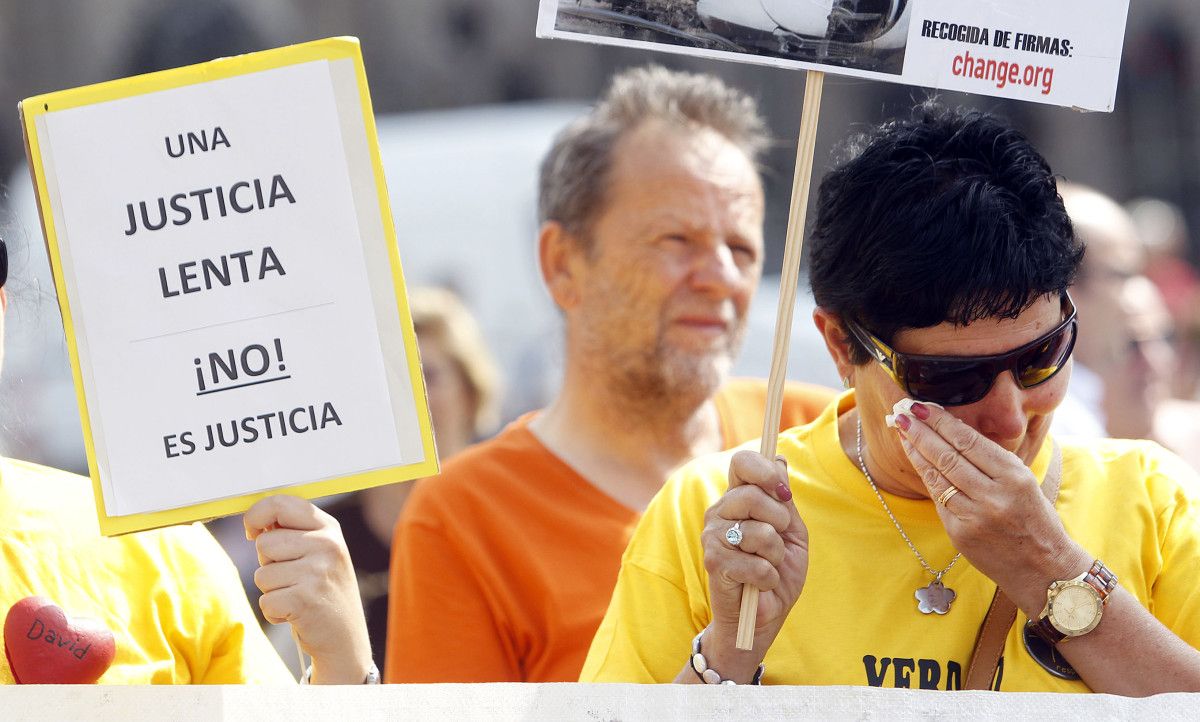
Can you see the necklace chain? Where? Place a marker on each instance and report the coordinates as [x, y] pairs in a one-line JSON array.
[[863, 465]]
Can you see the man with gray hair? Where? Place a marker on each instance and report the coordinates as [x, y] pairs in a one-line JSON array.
[[651, 245]]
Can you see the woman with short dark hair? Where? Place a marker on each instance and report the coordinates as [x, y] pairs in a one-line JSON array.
[[940, 261]]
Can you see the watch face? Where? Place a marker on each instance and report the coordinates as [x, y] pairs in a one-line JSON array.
[[1075, 609]]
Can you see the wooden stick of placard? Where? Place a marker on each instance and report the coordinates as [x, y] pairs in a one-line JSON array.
[[801, 182]]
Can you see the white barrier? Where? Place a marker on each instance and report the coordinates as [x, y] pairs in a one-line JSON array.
[[589, 702]]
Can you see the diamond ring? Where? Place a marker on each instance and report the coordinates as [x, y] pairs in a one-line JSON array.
[[734, 535]]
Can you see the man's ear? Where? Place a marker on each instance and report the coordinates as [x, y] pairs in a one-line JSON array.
[[558, 253], [837, 340]]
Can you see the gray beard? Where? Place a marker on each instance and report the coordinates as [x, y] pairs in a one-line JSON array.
[[666, 382]]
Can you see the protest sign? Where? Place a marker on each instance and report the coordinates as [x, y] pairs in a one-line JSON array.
[[1062, 53], [1065, 53], [230, 284]]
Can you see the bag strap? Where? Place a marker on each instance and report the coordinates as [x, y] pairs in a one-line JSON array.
[[989, 645]]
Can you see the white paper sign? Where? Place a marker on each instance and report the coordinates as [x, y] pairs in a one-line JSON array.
[[221, 296], [1060, 52]]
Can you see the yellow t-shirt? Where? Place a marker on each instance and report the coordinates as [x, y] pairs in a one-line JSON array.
[[1129, 503], [171, 597]]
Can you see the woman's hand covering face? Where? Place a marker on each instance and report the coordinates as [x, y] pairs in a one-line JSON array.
[[999, 519]]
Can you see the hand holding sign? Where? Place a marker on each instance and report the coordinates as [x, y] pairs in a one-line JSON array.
[[769, 553], [307, 580]]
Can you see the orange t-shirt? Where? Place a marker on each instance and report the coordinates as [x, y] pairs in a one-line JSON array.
[[503, 565]]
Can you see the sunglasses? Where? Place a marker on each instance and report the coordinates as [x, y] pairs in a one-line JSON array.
[[959, 380]]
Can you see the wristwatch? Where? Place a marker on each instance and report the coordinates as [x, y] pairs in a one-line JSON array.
[[1074, 606]]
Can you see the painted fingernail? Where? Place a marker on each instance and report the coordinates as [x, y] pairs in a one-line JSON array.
[[920, 411], [783, 492], [903, 421]]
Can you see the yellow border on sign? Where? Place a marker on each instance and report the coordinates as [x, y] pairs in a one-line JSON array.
[[328, 49]]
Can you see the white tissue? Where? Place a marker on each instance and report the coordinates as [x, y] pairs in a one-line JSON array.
[[904, 406]]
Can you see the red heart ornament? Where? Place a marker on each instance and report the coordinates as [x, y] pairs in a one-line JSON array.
[[43, 646]]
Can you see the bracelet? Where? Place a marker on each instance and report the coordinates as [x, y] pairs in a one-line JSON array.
[[372, 675], [711, 676]]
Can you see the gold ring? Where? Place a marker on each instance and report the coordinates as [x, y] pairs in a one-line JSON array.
[[945, 495]]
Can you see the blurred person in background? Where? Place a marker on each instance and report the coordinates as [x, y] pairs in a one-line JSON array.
[[1164, 233], [651, 246], [171, 597], [1136, 360], [462, 386], [1098, 386], [1124, 359], [1149, 360]]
